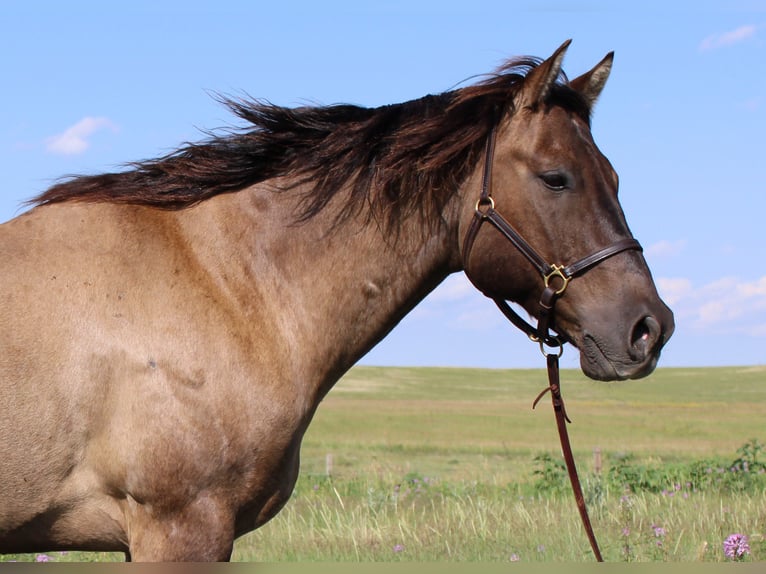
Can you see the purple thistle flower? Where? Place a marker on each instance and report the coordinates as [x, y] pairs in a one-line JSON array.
[[398, 548], [659, 531], [42, 558], [736, 546], [514, 557]]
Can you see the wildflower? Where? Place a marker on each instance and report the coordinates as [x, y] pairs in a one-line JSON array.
[[626, 532], [42, 558], [514, 557], [541, 548], [659, 531], [398, 548], [736, 546]]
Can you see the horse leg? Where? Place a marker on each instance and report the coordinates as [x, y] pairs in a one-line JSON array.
[[200, 532]]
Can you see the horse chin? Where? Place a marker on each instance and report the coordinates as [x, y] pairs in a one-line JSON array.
[[601, 365]]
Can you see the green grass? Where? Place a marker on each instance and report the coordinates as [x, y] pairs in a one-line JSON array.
[[473, 435], [478, 424], [373, 521]]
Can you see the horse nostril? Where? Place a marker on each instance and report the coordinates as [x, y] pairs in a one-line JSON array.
[[645, 336]]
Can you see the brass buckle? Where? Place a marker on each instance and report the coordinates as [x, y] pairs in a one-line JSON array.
[[557, 271]]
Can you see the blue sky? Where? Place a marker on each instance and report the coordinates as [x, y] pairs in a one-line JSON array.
[[88, 86]]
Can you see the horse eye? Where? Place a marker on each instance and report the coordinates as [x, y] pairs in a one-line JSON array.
[[555, 180]]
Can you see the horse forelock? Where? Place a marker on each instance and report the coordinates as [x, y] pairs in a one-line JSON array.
[[395, 159]]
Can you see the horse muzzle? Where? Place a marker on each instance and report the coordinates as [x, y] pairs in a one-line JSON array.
[[628, 353]]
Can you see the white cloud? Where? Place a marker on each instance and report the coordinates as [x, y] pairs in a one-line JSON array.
[[715, 41], [74, 140], [455, 287], [755, 289], [752, 105], [458, 303], [673, 290], [729, 305], [665, 248]]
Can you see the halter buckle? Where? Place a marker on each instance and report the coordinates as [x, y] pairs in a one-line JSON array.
[[557, 271]]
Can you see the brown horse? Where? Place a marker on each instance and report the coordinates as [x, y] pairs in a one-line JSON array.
[[168, 332]]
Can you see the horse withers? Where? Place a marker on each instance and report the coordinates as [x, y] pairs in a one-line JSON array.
[[167, 332]]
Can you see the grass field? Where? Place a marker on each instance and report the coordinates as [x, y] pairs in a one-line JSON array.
[[432, 464]]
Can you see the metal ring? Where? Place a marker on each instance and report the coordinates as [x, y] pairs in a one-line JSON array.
[[546, 354], [484, 201]]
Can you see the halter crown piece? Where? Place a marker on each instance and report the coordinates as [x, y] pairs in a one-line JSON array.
[[556, 278]]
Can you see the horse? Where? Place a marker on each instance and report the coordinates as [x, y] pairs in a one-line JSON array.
[[169, 330]]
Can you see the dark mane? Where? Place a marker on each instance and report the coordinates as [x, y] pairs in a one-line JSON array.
[[395, 159]]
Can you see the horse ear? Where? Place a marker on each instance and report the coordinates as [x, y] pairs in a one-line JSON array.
[[539, 81], [591, 83]]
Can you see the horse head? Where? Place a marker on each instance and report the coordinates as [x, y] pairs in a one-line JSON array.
[[545, 175]]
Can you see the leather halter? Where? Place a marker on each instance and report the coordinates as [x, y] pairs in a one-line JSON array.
[[556, 279]]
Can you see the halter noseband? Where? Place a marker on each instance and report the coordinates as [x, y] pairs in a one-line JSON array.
[[556, 279]]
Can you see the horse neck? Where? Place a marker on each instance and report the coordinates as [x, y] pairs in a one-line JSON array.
[[330, 292]]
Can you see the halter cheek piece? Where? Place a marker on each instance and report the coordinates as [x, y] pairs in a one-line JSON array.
[[556, 278]]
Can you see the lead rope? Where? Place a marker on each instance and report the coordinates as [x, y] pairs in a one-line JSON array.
[[561, 422], [547, 300]]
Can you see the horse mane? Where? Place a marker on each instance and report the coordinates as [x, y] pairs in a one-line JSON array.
[[396, 158]]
